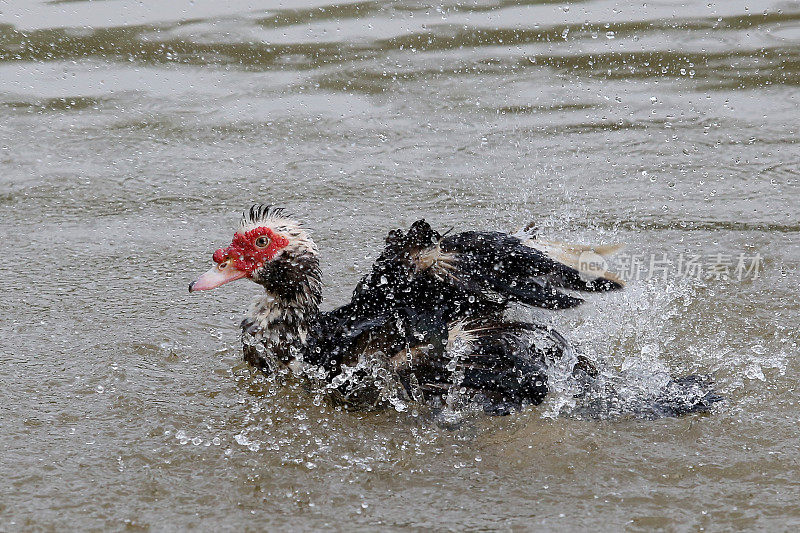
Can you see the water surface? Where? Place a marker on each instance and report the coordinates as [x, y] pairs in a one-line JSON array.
[[133, 133]]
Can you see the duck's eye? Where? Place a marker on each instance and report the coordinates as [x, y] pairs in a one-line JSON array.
[[223, 265], [262, 242]]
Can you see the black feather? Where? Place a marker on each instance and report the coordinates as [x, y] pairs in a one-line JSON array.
[[260, 212]]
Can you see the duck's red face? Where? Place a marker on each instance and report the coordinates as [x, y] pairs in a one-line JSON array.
[[247, 253]]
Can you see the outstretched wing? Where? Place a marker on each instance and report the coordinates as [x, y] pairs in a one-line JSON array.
[[506, 264], [472, 273]]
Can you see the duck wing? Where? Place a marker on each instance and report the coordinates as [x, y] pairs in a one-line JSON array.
[[474, 273]]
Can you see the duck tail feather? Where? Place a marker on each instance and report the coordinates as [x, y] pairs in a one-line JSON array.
[[590, 262]]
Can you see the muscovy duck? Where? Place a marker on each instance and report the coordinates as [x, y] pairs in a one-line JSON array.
[[427, 324]]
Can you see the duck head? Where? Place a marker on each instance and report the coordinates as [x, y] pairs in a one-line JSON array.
[[269, 248]]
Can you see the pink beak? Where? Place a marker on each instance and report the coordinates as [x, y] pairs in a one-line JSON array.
[[216, 277]]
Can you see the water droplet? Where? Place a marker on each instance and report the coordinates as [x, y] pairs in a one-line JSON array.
[[754, 372]]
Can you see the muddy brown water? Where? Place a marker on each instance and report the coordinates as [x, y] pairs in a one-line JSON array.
[[133, 133]]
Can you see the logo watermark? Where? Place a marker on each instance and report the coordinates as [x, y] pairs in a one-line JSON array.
[[634, 267], [591, 265]]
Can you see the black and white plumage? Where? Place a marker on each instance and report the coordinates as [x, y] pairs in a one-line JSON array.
[[426, 324]]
